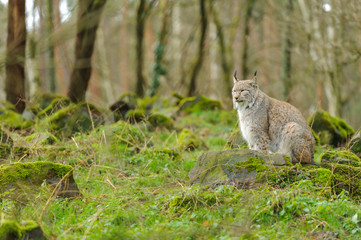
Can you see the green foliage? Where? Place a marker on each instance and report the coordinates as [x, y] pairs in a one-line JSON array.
[[134, 180]]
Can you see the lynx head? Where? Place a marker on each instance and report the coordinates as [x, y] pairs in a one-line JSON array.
[[244, 92]]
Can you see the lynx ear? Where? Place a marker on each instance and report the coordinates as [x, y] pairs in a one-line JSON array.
[[235, 77], [254, 79]]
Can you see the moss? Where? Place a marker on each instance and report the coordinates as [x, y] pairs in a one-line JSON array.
[[120, 133], [346, 178], [188, 140], [171, 153], [323, 177], [136, 115], [160, 120], [199, 103], [37, 171], [12, 230], [55, 105], [345, 157], [147, 103], [130, 98], [9, 230], [13, 120], [43, 100], [41, 138], [330, 130], [72, 119], [355, 143]]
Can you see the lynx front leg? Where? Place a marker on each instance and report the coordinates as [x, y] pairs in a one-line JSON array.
[[260, 142]]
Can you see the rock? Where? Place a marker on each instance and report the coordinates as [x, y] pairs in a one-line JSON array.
[[338, 171], [341, 157], [40, 138], [136, 116], [190, 141], [120, 109], [241, 167], [160, 120], [82, 117], [21, 181], [199, 103], [25, 230], [330, 130], [355, 144], [13, 120], [55, 105]]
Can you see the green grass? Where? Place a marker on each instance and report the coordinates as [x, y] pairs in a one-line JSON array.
[[132, 189]]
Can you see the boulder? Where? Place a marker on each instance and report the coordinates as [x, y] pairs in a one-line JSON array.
[[330, 130], [82, 117], [160, 120], [10, 229], [355, 144], [244, 167], [339, 171], [13, 120], [120, 109], [199, 103], [21, 181]]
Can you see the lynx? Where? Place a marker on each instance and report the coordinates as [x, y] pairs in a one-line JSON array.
[[270, 125]]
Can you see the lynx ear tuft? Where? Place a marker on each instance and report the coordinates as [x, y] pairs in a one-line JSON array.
[[254, 79], [235, 77]]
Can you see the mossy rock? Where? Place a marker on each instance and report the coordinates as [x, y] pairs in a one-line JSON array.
[[120, 132], [55, 105], [330, 130], [43, 100], [355, 144], [190, 141], [21, 181], [342, 157], [250, 169], [160, 120], [136, 116], [120, 109], [10, 229], [13, 120], [244, 168], [131, 99], [82, 117], [40, 138], [199, 103], [345, 177], [166, 151]]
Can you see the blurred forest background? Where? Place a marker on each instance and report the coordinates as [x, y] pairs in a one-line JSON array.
[[307, 52]]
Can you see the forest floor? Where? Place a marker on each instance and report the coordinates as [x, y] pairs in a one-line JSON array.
[[134, 184]]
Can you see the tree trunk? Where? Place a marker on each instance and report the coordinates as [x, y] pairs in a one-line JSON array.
[[246, 32], [139, 48], [49, 54], [199, 58], [15, 55], [89, 13], [158, 68], [223, 51], [286, 53]]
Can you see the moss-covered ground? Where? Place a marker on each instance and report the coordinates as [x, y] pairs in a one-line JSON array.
[[134, 184]]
